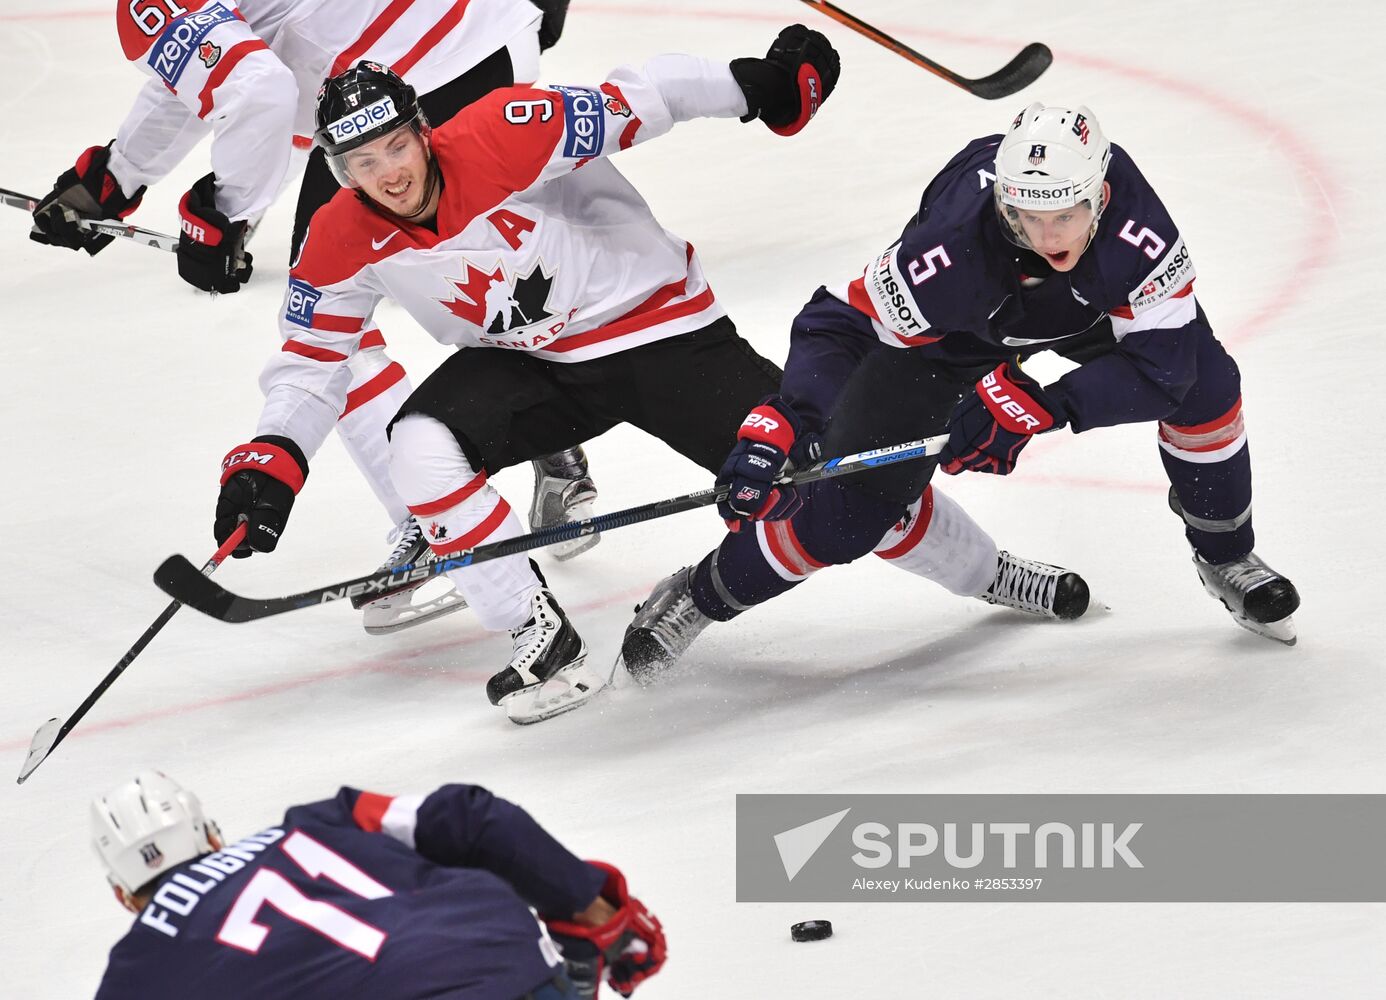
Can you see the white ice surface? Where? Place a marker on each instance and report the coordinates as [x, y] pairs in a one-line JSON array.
[[121, 388]]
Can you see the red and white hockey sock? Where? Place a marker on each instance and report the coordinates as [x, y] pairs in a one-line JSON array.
[[938, 540], [459, 510]]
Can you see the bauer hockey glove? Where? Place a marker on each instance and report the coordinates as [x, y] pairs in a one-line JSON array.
[[763, 444], [259, 481], [211, 248], [87, 191], [626, 950], [788, 86], [990, 426]]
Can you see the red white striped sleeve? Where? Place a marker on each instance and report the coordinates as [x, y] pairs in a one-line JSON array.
[[225, 75], [394, 816]]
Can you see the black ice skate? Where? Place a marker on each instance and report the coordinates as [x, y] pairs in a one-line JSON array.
[[663, 628], [563, 492], [547, 674], [1257, 597], [395, 609], [1037, 588]]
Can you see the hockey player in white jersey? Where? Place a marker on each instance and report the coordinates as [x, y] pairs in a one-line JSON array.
[[506, 232], [248, 73]]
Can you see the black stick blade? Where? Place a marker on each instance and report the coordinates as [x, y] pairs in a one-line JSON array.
[[185, 583], [1027, 67]]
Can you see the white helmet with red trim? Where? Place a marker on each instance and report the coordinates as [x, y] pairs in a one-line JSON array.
[[1051, 158], [147, 826]]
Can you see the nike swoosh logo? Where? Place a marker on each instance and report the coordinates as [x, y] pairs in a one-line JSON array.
[[381, 244]]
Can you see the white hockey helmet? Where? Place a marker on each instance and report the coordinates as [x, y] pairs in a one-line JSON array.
[[147, 826], [1050, 159]]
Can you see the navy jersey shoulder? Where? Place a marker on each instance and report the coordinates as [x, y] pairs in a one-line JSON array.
[[1138, 259], [339, 900]]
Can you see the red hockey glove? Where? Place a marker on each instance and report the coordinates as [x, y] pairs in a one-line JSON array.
[[762, 447], [788, 86], [259, 481], [88, 191], [989, 428], [211, 248], [627, 949]]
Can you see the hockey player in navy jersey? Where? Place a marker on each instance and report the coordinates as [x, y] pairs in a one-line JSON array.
[[509, 233], [1045, 238], [455, 895]]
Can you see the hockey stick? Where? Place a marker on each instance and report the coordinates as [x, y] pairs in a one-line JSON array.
[[145, 237], [1015, 76], [54, 731], [180, 579]]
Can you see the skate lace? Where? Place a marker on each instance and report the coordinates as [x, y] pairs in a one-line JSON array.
[[532, 638], [1243, 575], [1024, 584], [405, 535]]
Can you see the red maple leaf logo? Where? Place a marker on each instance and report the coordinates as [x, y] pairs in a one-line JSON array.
[[470, 302]]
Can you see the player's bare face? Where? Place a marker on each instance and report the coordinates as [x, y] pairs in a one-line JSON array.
[[393, 172], [1059, 236]]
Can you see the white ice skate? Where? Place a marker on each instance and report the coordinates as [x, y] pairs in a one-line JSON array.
[[1037, 588], [396, 609], [663, 628], [547, 674], [1258, 598], [563, 492]]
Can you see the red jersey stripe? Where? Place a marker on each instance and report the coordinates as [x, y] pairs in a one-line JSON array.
[[337, 324], [451, 500], [353, 52], [371, 338], [223, 69], [860, 301], [477, 534], [362, 395], [636, 320], [432, 37], [309, 351], [369, 811]]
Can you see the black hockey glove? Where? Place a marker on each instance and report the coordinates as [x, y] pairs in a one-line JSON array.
[[763, 444], [991, 425], [787, 87], [551, 28], [87, 191], [211, 248], [259, 481]]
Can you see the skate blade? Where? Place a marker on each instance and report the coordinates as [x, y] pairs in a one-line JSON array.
[[570, 688], [395, 612], [1282, 631]]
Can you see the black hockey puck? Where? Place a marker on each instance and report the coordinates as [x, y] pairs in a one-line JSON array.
[[811, 930]]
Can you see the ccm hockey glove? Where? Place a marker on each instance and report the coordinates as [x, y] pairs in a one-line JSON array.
[[626, 950], [259, 481], [211, 248], [87, 191], [990, 427], [787, 87], [763, 444]]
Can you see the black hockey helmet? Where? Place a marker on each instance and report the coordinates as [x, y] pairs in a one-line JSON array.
[[360, 105]]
